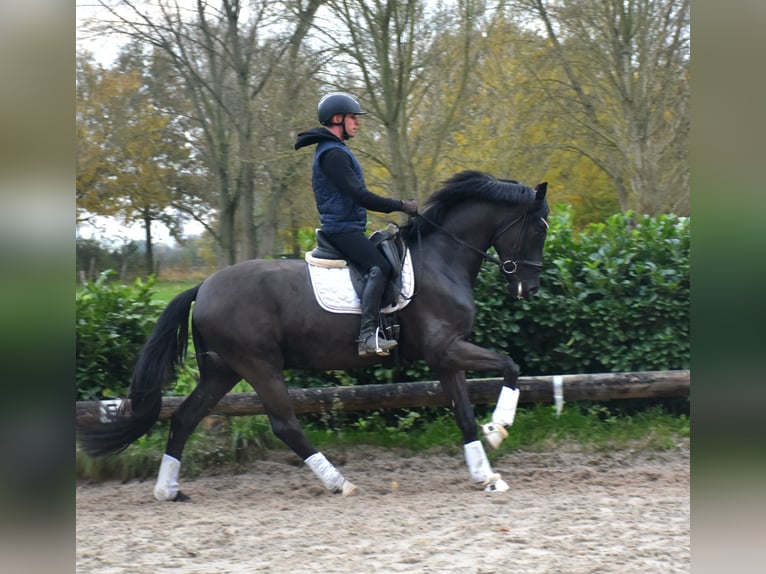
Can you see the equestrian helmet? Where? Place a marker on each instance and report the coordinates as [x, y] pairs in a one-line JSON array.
[[337, 103]]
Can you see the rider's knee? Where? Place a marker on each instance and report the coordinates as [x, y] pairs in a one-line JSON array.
[[374, 272], [379, 270]]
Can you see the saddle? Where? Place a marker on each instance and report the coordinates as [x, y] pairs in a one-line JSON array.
[[389, 243]]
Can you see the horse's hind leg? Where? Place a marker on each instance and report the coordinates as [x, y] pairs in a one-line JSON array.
[[268, 382], [216, 379]]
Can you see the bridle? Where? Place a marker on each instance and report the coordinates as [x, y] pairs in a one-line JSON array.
[[509, 266]]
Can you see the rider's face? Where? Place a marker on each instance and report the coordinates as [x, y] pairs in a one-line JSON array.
[[352, 124]]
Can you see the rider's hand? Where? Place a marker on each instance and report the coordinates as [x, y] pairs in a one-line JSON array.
[[410, 206]]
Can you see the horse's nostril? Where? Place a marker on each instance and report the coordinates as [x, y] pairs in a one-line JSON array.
[[532, 290]]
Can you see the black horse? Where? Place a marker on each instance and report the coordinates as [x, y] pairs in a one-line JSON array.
[[254, 319]]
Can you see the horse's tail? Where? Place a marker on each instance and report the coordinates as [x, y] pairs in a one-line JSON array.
[[157, 365]]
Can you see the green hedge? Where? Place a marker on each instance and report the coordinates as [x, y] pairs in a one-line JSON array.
[[112, 323], [614, 297]]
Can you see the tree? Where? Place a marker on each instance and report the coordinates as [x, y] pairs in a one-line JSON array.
[[507, 126], [392, 50], [621, 82], [214, 50], [129, 154], [286, 207]]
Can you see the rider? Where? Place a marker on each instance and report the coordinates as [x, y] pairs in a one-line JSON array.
[[343, 199]]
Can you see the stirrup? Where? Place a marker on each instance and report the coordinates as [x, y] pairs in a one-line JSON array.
[[381, 345]]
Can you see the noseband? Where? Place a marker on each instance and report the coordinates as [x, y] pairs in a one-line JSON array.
[[511, 266]]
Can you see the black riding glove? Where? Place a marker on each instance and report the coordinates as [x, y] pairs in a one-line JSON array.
[[410, 206]]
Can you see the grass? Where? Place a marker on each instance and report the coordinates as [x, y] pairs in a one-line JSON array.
[[231, 443], [166, 290]]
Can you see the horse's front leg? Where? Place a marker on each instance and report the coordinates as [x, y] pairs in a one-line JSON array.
[[461, 355], [456, 390]]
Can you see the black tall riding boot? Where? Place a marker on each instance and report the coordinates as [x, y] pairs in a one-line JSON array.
[[371, 339]]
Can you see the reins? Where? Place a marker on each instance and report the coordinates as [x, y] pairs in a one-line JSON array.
[[484, 254], [509, 266]]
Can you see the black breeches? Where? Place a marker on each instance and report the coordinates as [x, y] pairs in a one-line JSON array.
[[359, 250]]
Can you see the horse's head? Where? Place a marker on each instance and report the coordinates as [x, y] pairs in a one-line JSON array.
[[520, 245], [516, 214]]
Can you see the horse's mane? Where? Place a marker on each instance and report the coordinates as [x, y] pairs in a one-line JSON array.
[[469, 185]]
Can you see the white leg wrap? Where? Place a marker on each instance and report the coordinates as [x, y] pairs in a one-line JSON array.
[[480, 469], [477, 461], [505, 410], [166, 488], [329, 475]]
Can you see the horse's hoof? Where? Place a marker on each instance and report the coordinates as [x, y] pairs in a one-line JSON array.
[[498, 485], [181, 497], [495, 434], [349, 489]]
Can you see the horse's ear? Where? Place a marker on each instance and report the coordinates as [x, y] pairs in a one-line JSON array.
[[541, 189]]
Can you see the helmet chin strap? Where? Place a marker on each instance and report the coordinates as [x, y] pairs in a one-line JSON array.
[[343, 125]]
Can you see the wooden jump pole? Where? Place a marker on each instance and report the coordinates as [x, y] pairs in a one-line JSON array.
[[590, 387]]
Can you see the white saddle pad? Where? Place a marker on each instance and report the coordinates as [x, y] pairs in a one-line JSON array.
[[335, 293]]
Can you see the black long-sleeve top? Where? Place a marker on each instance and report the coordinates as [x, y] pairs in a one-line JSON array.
[[338, 167]]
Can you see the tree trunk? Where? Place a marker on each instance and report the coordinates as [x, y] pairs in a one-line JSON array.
[[149, 254]]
